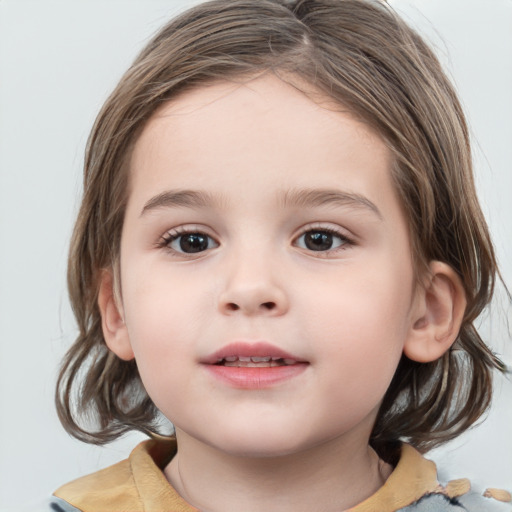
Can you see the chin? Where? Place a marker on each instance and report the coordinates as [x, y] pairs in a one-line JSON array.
[[259, 443]]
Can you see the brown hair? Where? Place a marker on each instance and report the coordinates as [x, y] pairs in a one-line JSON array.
[[364, 57]]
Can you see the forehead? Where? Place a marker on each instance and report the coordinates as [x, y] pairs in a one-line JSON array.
[[259, 135]]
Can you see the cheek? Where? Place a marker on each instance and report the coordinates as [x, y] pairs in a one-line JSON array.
[[363, 318], [163, 317], [362, 300]]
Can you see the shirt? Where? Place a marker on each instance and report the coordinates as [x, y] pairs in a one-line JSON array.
[[138, 484]]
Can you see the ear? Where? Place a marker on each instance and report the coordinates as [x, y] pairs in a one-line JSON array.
[[112, 318], [437, 314]]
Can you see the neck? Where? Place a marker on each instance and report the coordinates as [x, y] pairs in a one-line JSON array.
[[334, 476]]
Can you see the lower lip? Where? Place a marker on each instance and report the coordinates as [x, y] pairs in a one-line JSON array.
[[246, 377]]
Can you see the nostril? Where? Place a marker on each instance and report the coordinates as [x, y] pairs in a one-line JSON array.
[[251, 308]]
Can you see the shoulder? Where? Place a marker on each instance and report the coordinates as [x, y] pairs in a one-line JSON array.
[[458, 495], [112, 486], [468, 502], [134, 484], [414, 487]]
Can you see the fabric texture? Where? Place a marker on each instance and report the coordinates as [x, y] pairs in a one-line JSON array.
[[138, 484]]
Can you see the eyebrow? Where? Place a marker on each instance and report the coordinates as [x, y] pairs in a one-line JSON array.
[[181, 199], [298, 198], [310, 198]]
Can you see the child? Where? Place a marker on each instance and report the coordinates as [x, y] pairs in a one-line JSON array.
[[280, 250]]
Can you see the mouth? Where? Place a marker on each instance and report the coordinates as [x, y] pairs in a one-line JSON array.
[[254, 365], [252, 355], [255, 361]]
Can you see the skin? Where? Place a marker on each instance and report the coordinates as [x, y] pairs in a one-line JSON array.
[[348, 312]]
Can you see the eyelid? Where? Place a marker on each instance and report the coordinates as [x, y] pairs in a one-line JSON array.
[[173, 234], [348, 238], [325, 226]]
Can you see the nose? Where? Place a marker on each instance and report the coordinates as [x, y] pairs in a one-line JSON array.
[[251, 288]]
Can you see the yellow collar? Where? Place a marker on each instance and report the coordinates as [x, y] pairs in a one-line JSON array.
[[138, 483], [413, 477]]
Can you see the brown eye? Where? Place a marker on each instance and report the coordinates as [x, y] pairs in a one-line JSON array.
[[321, 240], [190, 243]]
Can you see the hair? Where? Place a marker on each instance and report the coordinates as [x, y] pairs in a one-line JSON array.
[[366, 59]]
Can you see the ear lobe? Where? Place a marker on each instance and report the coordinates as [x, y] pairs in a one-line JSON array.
[[437, 314], [112, 318]]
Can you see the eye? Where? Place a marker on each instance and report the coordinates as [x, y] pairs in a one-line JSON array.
[[188, 242], [322, 240]]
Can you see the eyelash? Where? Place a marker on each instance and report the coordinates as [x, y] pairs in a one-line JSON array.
[[171, 236], [175, 234], [346, 242]]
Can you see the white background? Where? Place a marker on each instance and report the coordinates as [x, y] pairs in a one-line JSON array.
[[58, 62]]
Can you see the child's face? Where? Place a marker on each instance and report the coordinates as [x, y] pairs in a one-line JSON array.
[[260, 223]]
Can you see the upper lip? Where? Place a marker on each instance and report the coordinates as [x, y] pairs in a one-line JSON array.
[[250, 349]]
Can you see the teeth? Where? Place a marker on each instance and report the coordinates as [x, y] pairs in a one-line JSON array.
[[255, 361]]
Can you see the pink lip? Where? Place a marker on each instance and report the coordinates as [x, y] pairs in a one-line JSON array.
[[251, 377], [245, 349]]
